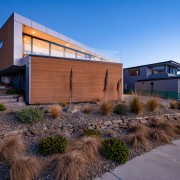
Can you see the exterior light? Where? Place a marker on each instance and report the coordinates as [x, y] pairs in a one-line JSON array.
[[82, 50], [67, 45], [33, 32], [25, 39]]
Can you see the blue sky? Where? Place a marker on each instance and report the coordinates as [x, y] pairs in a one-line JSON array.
[[143, 31]]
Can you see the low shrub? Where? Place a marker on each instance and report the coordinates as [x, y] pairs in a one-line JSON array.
[[88, 146], [69, 166], [92, 132], [30, 115], [173, 104], [25, 168], [87, 108], [160, 135], [14, 91], [120, 109], [152, 104], [55, 110], [2, 107], [12, 148], [177, 127], [106, 107], [52, 145], [136, 105], [137, 140], [116, 150]]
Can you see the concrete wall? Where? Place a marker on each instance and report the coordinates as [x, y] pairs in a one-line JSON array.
[[169, 85]]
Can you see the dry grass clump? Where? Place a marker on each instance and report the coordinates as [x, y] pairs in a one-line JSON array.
[[87, 108], [25, 168], [160, 135], [137, 140], [89, 147], [69, 166], [152, 104], [139, 128], [136, 105], [162, 124], [12, 148], [173, 104], [55, 110], [176, 127], [106, 107]]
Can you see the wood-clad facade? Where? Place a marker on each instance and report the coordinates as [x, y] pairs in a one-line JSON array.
[[49, 81], [7, 50]]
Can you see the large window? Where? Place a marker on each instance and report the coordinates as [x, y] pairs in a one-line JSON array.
[[32, 45], [40, 47], [134, 72], [159, 70], [27, 45], [70, 53], [57, 51]]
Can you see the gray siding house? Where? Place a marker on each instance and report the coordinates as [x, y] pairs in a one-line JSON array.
[[161, 78]]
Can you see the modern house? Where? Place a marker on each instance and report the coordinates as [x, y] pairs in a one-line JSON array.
[[160, 79], [41, 61]]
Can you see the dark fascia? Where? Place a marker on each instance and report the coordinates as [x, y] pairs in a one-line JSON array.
[[176, 64], [156, 79]]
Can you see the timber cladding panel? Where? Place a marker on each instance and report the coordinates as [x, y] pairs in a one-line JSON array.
[[7, 36], [50, 80]]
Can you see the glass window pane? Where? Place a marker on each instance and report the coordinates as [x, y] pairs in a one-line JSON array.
[[87, 56], [134, 72], [80, 55], [70, 53], [57, 51], [40, 47], [27, 45]]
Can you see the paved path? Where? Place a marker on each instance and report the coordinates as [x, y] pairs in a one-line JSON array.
[[162, 163]]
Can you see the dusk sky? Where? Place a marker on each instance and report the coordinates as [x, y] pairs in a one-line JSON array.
[[142, 31]]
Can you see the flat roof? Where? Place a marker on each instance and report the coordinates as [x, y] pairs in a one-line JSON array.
[[170, 62], [156, 79]]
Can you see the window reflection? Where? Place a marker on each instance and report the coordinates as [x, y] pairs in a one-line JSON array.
[[40, 47], [27, 45], [57, 51], [80, 55], [70, 53]]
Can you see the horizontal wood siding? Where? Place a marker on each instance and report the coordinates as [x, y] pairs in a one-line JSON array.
[[7, 36], [50, 80]]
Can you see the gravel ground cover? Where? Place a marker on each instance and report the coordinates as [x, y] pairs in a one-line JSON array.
[[72, 124]]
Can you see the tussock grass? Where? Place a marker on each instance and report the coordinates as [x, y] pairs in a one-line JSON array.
[[106, 107], [152, 104], [137, 140], [55, 110], [87, 108], [12, 148], [88, 146], [173, 104], [25, 168], [165, 125], [136, 105], [139, 128], [69, 166], [160, 135]]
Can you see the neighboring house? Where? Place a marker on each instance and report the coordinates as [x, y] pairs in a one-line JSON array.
[[40, 61], [158, 78]]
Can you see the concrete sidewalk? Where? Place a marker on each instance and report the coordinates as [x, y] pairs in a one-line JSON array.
[[162, 163]]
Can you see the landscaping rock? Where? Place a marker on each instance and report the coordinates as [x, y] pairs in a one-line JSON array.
[[106, 123], [143, 121], [117, 121], [13, 133]]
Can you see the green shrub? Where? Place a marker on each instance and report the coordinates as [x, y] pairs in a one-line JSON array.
[[14, 91], [2, 107], [120, 109], [52, 145], [30, 115], [92, 132], [136, 105], [115, 149]]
